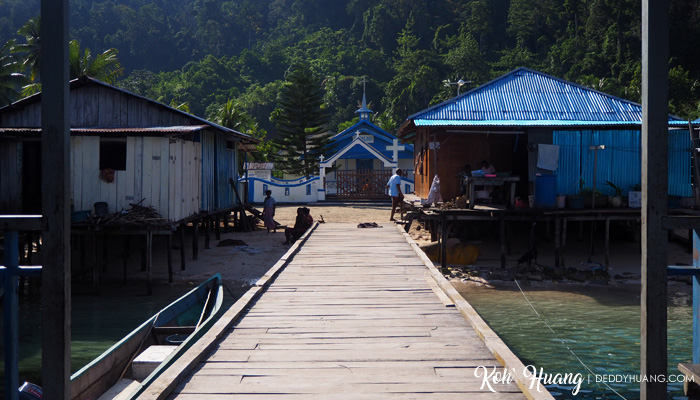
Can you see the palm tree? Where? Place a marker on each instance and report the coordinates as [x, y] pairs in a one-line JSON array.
[[232, 115], [104, 66], [11, 79], [31, 50]]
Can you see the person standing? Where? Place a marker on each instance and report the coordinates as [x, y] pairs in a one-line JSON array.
[[394, 186], [269, 211]]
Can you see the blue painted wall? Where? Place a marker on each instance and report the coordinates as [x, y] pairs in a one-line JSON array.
[[619, 162]]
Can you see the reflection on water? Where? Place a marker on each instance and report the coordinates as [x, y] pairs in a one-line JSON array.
[[599, 324], [97, 323]]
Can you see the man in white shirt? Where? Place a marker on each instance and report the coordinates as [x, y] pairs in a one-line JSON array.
[[394, 186]]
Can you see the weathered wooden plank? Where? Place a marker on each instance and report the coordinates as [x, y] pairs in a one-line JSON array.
[[164, 182], [265, 385], [354, 396], [76, 176], [360, 321], [130, 173]]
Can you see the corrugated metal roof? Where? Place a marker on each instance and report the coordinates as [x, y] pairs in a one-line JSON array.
[[527, 97], [85, 80], [110, 130]]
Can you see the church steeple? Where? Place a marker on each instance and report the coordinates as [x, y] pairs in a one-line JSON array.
[[364, 111]]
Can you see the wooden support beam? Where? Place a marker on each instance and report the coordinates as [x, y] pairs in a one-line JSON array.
[[443, 240], [195, 239], [125, 259], [169, 250], [217, 226], [207, 232], [11, 315], [502, 236], [55, 156], [182, 246], [557, 242], [654, 197], [149, 263]]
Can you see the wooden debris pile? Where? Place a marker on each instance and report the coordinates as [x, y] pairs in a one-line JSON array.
[[136, 215]]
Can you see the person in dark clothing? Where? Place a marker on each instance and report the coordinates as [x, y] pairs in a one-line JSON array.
[[301, 224]]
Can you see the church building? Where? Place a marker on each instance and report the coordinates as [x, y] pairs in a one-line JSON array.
[[366, 158]]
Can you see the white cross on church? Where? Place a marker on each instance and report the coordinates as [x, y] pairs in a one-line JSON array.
[[395, 148]]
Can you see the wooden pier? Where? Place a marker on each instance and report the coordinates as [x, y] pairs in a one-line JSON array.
[[348, 313]]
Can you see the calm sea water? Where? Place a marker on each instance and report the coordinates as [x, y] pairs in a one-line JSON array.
[[97, 323], [600, 325]]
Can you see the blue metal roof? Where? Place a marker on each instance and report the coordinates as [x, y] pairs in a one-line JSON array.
[[527, 97]]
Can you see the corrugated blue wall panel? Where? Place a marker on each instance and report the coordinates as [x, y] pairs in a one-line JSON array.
[[569, 143], [626, 169], [679, 164], [208, 171], [619, 162], [223, 189]]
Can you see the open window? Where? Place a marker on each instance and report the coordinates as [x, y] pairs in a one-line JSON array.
[[112, 154]]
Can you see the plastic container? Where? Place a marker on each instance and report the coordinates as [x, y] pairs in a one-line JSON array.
[[545, 191], [77, 216], [101, 209], [561, 201]]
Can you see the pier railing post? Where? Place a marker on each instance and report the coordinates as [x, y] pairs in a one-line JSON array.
[[55, 157], [11, 320]]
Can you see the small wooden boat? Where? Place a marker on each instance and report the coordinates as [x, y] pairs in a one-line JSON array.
[[129, 366]]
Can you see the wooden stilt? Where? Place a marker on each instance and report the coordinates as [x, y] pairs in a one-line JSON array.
[[226, 227], [195, 239], [217, 227], [182, 246], [607, 242], [563, 243], [149, 263], [83, 265], [443, 240], [144, 255], [125, 259], [557, 242], [207, 232], [502, 238], [95, 267], [169, 252]]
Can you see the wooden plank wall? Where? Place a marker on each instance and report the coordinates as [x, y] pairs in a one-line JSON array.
[[167, 175], [185, 177], [10, 177], [169, 187], [459, 149], [95, 105]]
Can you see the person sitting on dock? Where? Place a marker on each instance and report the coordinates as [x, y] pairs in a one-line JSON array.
[[301, 224], [269, 211]]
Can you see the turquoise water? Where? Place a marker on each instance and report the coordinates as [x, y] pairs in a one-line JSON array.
[[600, 325]]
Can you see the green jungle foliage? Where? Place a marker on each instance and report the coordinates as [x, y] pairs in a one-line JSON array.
[[204, 53]]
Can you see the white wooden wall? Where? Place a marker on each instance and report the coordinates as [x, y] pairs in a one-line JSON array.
[[165, 173]]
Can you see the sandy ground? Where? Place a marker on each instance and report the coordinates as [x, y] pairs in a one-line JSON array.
[[242, 266]]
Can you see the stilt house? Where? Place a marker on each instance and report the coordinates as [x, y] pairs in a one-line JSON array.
[[125, 149], [526, 122]]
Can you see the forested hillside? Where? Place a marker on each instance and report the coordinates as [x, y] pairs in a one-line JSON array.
[[205, 52]]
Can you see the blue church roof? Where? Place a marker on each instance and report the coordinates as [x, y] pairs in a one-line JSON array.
[[524, 97], [381, 139]]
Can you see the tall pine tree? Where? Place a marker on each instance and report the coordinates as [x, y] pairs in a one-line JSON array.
[[301, 122]]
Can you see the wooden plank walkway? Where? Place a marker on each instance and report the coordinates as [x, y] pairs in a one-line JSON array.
[[353, 315]]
